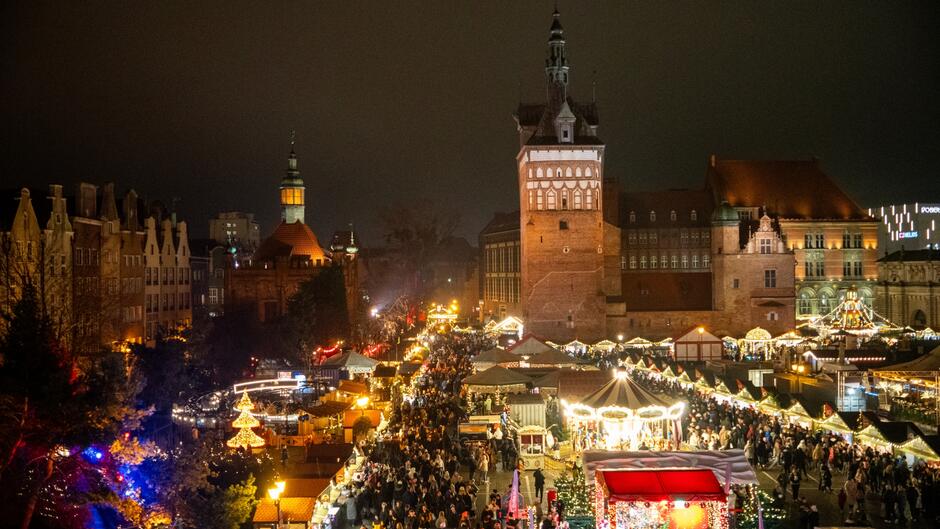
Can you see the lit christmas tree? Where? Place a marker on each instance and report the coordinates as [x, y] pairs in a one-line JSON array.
[[245, 438], [773, 516], [576, 496]]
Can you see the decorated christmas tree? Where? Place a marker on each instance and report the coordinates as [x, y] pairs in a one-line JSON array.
[[245, 438], [774, 516], [576, 496]]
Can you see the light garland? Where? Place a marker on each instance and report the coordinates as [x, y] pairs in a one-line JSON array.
[[245, 438]]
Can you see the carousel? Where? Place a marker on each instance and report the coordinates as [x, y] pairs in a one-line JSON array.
[[623, 416]]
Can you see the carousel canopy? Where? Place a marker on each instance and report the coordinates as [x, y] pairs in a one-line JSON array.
[[495, 355], [656, 485], [529, 346], [622, 392], [758, 334], [497, 376]]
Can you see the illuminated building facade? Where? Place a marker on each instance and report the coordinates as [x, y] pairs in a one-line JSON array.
[[908, 291], [562, 229], [908, 226], [292, 191], [500, 275]]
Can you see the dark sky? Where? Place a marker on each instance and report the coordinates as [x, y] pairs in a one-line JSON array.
[[393, 101]]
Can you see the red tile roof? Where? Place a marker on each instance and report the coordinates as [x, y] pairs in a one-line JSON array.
[[291, 240], [788, 189]]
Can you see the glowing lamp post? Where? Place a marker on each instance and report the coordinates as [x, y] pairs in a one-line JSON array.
[[275, 494]]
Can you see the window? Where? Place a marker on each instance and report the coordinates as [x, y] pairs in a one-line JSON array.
[[820, 269], [562, 224], [632, 217], [820, 241], [675, 261], [846, 240], [770, 279], [652, 216], [551, 199], [685, 261], [695, 261], [654, 238], [772, 316], [765, 246], [643, 262], [577, 199], [672, 215], [631, 238], [292, 197], [856, 240], [538, 200], [665, 261], [808, 240], [805, 305], [808, 269], [693, 216], [589, 198], [735, 283], [632, 262], [857, 268], [706, 261], [643, 238], [564, 199], [654, 263], [623, 262]]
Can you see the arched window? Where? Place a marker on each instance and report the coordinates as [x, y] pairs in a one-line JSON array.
[[564, 199], [550, 199], [568, 172], [538, 173], [539, 205], [577, 172], [588, 172], [589, 200], [558, 172], [530, 173], [672, 215], [577, 199], [693, 216], [531, 198], [652, 216], [632, 217]]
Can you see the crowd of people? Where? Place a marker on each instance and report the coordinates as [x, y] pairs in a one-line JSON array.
[[904, 493], [418, 475]]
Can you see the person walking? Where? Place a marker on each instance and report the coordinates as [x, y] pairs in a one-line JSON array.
[[795, 482], [539, 483], [484, 466]]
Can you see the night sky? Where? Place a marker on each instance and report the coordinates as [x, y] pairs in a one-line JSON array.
[[391, 101]]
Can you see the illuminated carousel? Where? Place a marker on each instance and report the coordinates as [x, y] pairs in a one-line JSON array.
[[623, 416]]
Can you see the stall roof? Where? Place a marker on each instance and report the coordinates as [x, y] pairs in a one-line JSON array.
[[657, 485], [553, 357], [327, 408], [384, 371], [304, 487], [293, 509], [496, 355], [529, 346], [350, 359], [351, 386], [927, 362], [573, 385], [496, 376], [728, 465]]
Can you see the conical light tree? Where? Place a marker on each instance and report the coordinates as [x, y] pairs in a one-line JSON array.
[[245, 438]]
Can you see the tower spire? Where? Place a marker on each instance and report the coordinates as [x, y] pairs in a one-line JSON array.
[[556, 65], [292, 188]]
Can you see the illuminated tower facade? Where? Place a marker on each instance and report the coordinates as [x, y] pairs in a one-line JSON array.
[[292, 190], [562, 229]]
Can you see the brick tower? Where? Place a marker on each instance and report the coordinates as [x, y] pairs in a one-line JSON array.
[[561, 164]]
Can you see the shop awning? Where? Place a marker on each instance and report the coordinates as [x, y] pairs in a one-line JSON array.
[[658, 485]]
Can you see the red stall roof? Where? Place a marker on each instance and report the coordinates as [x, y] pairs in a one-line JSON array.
[[658, 485]]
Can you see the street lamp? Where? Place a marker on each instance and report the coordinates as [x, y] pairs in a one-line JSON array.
[[275, 494], [799, 370]]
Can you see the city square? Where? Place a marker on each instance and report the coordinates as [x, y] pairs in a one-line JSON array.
[[274, 266]]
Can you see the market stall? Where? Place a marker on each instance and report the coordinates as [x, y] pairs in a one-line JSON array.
[[532, 446]]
